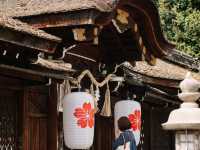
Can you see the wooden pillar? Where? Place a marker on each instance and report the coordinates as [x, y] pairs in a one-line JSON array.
[[52, 123], [26, 142]]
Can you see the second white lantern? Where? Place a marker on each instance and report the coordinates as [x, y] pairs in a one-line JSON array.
[[132, 110]]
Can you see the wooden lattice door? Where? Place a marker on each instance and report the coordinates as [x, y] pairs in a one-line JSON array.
[[28, 116], [36, 119], [10, 133]]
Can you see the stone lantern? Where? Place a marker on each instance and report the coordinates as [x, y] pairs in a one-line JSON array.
[[185, 121]]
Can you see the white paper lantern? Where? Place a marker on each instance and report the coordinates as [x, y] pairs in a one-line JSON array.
[[78, 120], [132, 110]]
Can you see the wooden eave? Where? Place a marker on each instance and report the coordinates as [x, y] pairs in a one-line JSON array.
[[182, 59], [159, 99], [143, 14], [19, 33], [32, 74], [62, 19], [150, 24], [27, 40], [167, 73], [145, 79]]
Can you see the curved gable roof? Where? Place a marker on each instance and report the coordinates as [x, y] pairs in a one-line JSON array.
[[39, 7], [143, 13]]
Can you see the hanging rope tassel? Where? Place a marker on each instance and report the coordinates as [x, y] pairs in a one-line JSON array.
[[92, 89], [63, 89], [106, 110], [68, 87]]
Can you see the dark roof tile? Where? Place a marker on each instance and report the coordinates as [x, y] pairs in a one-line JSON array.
[[163, 69], [37, 7]]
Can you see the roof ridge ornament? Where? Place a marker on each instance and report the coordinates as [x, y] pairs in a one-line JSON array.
[[190, 89]]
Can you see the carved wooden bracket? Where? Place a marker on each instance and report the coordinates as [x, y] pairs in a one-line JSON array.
[[121, 21], [79, 34], [86, 34], [122, 16], [96, 33], [153, 60], [145, 53]]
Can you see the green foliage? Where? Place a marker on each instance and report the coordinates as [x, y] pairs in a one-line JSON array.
[[181, 23]]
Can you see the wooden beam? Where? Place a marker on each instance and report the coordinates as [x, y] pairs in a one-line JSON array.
[[63, 19], [29, 74], [121, 21], [146, 15], [152, 80], [26, 122], [89, 52], [79, 34], [27, 40], [86, 34], [124, 21], [52, 125], [11, 83], [142, 44], [16, 72], [183, 59]]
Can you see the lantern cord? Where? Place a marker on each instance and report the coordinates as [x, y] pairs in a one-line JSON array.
[[94, 81], [92, 78], [117, 87], [93, 93], [106, 111]]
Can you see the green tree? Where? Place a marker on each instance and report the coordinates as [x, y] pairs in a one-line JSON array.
[[181, 23]]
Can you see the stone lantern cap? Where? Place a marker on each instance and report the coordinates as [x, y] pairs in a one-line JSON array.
[[187, 117]]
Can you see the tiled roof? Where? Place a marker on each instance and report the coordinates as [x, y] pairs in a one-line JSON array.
[[37, 7], [163, 69], [13, 24]]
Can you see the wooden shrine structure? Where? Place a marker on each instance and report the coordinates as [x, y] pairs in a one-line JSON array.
[[41, 39], [27, 103]]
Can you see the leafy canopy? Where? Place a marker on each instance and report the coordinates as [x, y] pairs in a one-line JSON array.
[[181, 23]]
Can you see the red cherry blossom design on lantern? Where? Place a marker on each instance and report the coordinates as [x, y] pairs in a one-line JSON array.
[[85, 116], [135, 119]]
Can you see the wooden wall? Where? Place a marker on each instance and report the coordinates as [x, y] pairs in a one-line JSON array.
[[104, 134], [155, 138], [36, 126], [39, 120], [35, 118]]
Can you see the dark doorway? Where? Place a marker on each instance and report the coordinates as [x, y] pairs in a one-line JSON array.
[[10, 116]]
